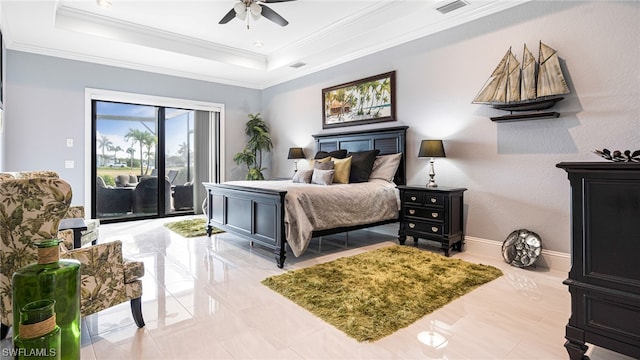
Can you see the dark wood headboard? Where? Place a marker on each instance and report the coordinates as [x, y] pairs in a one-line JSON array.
[[388, 140]]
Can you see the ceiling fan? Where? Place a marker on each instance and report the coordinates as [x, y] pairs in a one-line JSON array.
[[257, 9]]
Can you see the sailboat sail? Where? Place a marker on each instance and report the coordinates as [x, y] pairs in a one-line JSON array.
[[513, 80], [550, 78], [515, 88], [492, 87], [528, 82]]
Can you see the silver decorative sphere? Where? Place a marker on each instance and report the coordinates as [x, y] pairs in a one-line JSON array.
[[521, 248]]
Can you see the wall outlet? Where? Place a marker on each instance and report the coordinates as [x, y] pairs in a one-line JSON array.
[[69, 164]]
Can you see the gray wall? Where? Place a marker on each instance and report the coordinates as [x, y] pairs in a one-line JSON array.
[[45, 105], [509, 168]]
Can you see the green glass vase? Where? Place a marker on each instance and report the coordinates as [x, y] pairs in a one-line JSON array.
[[55, 279], [39, 334]]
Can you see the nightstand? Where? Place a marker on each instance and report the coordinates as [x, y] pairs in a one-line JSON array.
[[433, 214]]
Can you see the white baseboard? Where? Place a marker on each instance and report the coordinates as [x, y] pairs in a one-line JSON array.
[[554, 260], [549, 259]]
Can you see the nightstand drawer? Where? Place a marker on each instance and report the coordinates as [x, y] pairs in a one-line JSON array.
[[413, 197], [432, 199], [422, 198], [426, 214], [425, 227]]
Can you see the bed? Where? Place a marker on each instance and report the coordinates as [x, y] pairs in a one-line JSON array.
[[257, 212]]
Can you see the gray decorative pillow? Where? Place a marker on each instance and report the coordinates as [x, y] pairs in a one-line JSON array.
[[385, 166], [327, 165], [303, 176], [322, 177]]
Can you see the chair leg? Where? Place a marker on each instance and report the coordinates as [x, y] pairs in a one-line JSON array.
[[136, 310], [4, 330]]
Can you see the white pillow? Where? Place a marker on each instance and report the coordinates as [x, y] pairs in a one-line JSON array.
[[303, 176], [385, 166], [322, 177]]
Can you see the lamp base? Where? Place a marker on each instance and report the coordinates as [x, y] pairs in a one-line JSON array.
[[432, 175]]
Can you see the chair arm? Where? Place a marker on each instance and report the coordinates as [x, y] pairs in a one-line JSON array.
[[75, 211], [67, 238], [133, 270], [102, 275]]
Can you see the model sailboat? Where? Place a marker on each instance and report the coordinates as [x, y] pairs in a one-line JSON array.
[[530, 87]]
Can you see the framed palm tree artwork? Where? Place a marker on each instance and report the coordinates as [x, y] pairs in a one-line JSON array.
[[363, 101]]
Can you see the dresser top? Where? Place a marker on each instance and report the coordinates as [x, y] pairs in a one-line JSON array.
[[599, 165]]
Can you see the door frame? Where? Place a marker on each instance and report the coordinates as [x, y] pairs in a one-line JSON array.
[[91, 94]]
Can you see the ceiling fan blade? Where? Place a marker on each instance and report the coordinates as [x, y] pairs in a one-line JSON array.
[[230, 15], [274, 1], [273, 16]]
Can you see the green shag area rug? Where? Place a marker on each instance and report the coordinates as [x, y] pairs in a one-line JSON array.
[[373, 294], [191, 227]]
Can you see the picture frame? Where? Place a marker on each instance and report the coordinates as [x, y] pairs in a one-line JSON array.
[[365, 101]]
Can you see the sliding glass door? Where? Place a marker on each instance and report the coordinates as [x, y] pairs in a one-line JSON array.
[[144, 160]]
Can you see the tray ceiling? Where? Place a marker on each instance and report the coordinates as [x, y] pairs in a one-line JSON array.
[[183, 38]]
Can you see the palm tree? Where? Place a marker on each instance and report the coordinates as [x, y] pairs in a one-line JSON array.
[[116, 150], [149, 140], [104, 143], [183, 152], [137, 136], [131, 150]]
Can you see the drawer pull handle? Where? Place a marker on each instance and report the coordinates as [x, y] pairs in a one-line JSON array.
[[434, 200], [411, 211], [434, 215], [413, 198], [434, 229], [412, 225]]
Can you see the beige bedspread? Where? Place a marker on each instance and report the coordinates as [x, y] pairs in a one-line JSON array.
[[310, 207]]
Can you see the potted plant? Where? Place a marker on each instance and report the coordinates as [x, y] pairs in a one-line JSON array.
[[259, 141]]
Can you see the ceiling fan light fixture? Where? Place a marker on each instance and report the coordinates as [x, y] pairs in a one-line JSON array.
[[256, 10], [104, 3], [241, 10]]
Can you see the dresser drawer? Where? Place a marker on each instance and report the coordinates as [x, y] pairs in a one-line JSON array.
[[422, 198], [425, 227], [423, 213]]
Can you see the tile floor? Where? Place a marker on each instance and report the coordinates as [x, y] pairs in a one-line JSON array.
[[203, 300]]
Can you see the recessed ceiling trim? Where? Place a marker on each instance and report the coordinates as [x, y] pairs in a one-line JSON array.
[[282, 57], [131, 65], [96, 25]]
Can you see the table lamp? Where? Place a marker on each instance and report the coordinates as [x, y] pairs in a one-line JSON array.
[[295, 153], [432, 149]]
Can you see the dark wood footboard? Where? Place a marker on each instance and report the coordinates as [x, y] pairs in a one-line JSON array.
[[258, 214], [255, 214]]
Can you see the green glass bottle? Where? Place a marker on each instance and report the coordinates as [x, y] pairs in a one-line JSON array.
[[39, 334], [59, 280]]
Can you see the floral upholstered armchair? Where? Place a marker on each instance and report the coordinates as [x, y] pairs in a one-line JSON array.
[[31, 210], [90, 235]]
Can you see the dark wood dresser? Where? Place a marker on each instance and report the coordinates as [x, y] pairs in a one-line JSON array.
[[604, 280], [434, 214]]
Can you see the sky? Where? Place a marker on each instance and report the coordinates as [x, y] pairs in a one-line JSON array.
[[123, 117]]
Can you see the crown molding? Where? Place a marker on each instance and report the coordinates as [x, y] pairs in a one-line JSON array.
[[97, 25]]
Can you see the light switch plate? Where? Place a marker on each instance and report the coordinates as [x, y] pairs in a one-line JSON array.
[[69, 142], [69, 164]]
